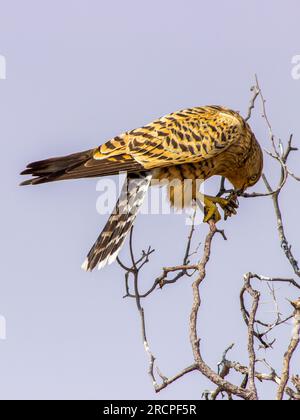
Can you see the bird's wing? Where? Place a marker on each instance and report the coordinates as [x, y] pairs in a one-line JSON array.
[[186, 136]]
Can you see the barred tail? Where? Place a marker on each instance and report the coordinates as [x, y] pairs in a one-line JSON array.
[[110, 241]]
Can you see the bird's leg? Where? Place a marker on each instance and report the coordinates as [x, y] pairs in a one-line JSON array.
[[228, 204], [209, 208], [211, 211]]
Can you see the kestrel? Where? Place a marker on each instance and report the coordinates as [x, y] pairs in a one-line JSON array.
[[195, 143]]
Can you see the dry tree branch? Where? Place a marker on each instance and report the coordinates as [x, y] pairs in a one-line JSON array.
[[199, 364], [290, 351], [223, 373], [276, 280], [282, 158], [134, 271], [297, 178], [251, 351], [166, 382], [256, 92], [246, 316], [248, 389], [281, 155], [228, 366], [269, 327], [195, 341], [287, 249], [160, 281], [280, 226], [265, 116]]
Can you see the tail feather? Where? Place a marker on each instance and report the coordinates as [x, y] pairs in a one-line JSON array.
[[110, 241], [52, 169], [84, 165], [78, 165]]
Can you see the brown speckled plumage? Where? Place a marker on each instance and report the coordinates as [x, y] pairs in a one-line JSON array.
[[195, 143]]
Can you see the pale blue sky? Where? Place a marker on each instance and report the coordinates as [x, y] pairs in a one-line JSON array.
[[79, 72]]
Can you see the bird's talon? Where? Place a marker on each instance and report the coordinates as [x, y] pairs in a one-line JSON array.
[[229, 205]]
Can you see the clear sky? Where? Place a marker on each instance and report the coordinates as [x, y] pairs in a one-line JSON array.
[[78, 73]]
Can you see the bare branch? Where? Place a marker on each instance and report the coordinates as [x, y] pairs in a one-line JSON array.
[[195, 341], [276, 280], [252, 356], [256, 91], [179, 375], [291, 349], [257, 328], [287, 249]]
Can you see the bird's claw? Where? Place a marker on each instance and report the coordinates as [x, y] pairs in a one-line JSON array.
[[229, 205]]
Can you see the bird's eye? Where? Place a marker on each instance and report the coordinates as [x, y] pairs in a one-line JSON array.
[[253, 178]]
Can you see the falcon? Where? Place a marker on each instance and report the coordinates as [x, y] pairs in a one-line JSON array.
[[191, 144]]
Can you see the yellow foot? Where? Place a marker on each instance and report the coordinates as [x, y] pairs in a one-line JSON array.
[[211, 212], [228, 205]]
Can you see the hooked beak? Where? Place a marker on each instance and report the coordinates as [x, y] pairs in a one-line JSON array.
[[241, 191]]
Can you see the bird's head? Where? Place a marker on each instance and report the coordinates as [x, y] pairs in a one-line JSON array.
[[252, 170], [254, 165]]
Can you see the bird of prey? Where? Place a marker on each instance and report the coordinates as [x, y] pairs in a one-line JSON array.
[[194, 143]]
